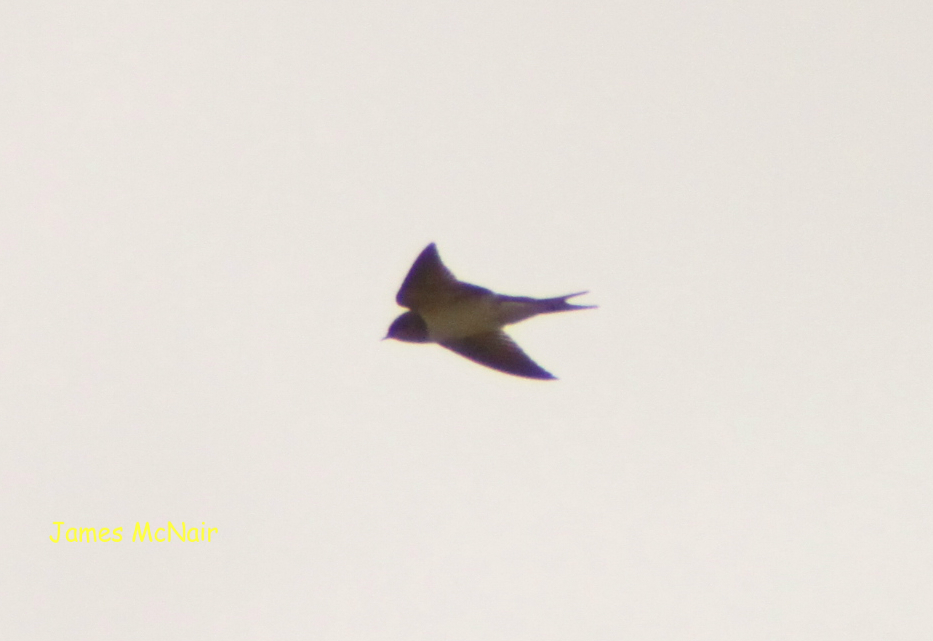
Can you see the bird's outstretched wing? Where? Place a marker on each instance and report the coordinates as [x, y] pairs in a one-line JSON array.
[[427, 277], [498, 351]]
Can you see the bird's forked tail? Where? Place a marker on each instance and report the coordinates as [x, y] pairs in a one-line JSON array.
[[560, 304]]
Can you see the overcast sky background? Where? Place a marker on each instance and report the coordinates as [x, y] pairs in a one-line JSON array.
[[207, 209]]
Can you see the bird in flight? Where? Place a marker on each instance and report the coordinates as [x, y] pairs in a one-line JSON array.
[[468, 319]]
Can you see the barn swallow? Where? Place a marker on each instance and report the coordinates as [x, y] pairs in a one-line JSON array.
[[468, 319]]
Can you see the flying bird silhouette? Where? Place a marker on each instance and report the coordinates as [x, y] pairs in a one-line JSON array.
[[468, 319]]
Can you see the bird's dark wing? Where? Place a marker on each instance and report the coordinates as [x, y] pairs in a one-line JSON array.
[[426, 279], [498, 351]]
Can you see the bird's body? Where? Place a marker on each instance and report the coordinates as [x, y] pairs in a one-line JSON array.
[[461, 317], [468, 319]]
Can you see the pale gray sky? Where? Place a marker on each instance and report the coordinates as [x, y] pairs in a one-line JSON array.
[[207, 209]]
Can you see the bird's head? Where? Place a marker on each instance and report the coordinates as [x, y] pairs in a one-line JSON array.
[[409, 327]]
